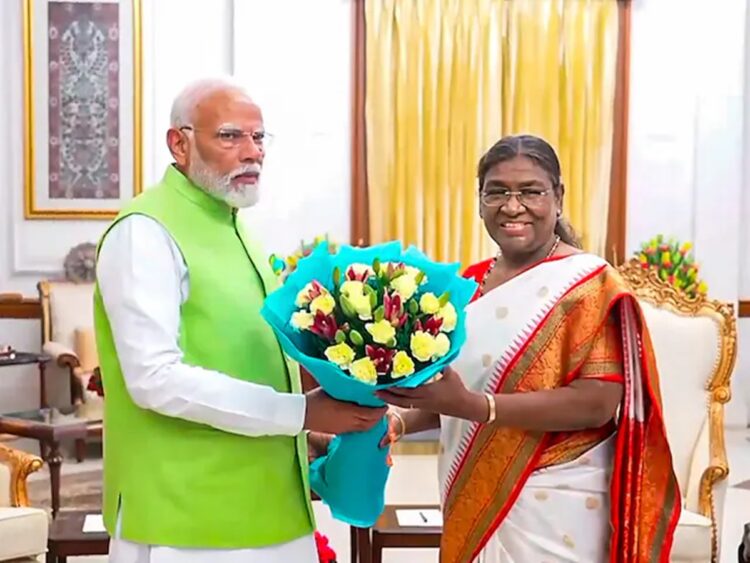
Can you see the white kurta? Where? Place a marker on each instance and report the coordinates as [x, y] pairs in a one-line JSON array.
[[143, 281]]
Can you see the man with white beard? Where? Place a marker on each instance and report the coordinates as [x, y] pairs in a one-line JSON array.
[[205, 458]]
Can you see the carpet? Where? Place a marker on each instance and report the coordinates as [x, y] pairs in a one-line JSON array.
[[80, 491]]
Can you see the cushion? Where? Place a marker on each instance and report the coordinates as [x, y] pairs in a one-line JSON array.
[[85, 348], [23, 532], [71, 306], [687, 351], [692, 539]]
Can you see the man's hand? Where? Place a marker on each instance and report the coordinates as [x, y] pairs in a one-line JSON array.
[[447, 396], [325, 414], [317, 445]]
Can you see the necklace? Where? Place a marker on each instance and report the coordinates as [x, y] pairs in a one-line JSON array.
[[499, 255]]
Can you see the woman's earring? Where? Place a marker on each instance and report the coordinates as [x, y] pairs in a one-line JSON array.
[[559, 213]]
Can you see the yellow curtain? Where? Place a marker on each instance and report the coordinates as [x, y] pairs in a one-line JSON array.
[[447, 78]]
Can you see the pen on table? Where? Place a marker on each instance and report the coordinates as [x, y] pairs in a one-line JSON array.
[[422, 516]]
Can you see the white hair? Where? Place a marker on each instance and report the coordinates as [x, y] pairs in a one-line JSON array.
[[195, 92]]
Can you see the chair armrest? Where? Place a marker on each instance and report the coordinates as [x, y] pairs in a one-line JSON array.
[[20, 465], [63, 356]]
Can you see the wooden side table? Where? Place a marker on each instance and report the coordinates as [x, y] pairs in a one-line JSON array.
[[50, 427], [387, 533], [29, 358], [67, 538]]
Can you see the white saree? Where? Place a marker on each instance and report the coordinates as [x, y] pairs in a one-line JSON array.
[[561, 513]]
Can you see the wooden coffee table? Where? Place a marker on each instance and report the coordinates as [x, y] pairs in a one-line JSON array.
[[67, 538]]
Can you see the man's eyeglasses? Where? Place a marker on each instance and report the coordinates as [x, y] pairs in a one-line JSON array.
[[530, 197], [230, 138]]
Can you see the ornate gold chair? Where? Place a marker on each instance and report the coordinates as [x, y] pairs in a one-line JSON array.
[[696, 344], [68, 337], [23, 530]]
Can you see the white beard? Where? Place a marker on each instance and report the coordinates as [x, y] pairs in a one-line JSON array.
[[221, 187]]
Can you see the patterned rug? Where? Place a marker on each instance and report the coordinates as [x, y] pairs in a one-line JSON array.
[[81, 491]]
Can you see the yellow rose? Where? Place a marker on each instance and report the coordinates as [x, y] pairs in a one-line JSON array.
[[324, 303], [442, 345], [362, 306], [340, 354], [302, 320], [381, 331], [403, 365], [352, 287], [364, 370], [429, 304], [449, 316], [405, 286], [422, 346]]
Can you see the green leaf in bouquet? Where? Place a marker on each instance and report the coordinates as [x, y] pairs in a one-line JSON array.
[[444, 298], [340, 337], [397, 274], [376, 265], [379, 314], [420, 278], [413, 306], [336, 276], [391, 343], [356, 338]]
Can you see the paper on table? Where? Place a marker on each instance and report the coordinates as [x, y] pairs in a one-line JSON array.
[[428, 517], [93, 523]]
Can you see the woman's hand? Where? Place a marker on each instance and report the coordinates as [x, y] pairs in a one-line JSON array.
[[447, 396], [395, 430]]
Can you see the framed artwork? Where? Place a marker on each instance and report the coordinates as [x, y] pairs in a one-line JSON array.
[[82, 106]]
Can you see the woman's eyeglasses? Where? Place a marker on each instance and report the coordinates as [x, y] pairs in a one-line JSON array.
[[530, 197]]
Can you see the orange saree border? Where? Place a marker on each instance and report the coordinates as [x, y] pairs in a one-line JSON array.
[[498, 461]]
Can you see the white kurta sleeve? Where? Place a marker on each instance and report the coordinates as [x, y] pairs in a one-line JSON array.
[[143, 281]]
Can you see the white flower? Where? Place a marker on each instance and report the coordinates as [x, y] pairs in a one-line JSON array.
[[302, 320]]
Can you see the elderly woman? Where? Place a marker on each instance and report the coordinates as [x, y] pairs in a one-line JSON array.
[[552, 439]]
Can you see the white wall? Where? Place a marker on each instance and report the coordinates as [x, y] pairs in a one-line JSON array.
[[686, 174], [686, 133], [305, 98]]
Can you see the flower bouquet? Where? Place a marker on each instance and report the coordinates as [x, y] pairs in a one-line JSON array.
[[360, 320], [673, 263]]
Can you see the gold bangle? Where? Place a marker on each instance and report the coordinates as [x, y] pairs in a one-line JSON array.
[[403, 425], [492, 406]]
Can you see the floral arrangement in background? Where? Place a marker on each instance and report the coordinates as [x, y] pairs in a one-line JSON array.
[[282, 266], [377, 323], [326, 554], [674, 263]]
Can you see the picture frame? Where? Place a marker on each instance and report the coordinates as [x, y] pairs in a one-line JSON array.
[[83, 100]]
